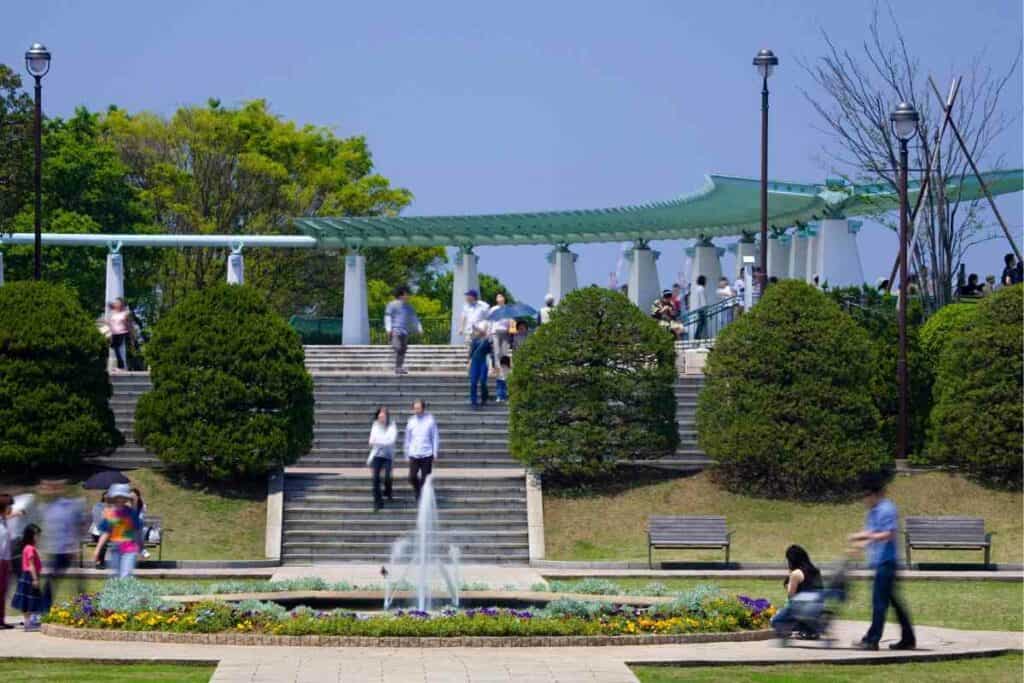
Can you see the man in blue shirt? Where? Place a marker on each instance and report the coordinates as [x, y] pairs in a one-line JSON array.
[[479, 352], [878, 539]]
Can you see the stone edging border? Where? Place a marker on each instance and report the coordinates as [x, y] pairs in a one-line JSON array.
[[59, 631]]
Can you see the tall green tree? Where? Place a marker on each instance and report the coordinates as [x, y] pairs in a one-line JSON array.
[[15, 146], [220, 170]]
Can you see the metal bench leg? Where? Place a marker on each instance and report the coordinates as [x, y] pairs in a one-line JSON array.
[[650, 556], [988, 551], [727, 556], [910, 565]]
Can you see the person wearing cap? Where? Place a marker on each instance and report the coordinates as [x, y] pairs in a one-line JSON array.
[[545, 313], [474, 311], [119, 529]]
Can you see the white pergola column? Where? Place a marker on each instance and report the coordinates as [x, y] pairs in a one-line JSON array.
[[355, 316], [561, 272], [707, 262], [798, 255], [778, 256], [114, 290], [644, 285], [813, 254], [746, 248], [236, 268], [464, 278], [839, 259]]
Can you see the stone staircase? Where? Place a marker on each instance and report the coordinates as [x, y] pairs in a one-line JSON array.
[[329, 517], [377, 360]]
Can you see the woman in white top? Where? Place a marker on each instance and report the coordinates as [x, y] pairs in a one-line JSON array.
[[725, 292], [119, 321], [383, 434]]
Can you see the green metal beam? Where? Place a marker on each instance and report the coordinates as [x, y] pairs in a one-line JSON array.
[[724, 206]]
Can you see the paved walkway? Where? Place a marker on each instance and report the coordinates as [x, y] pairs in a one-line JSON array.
[[470, 665]]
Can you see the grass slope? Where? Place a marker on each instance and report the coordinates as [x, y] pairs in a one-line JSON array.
[[612, 526], [1004, 668], [204, 524], [75, 671]]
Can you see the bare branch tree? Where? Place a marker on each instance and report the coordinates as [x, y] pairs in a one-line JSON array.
[[856, 91]]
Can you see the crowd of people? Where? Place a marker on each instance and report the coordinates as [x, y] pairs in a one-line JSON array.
[[46, 530], [671, 309], [1013, 274]]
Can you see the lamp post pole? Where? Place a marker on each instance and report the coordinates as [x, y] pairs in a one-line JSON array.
[[904, 123], [37, 62], [765, 61]]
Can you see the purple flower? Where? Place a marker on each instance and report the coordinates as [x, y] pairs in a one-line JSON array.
[[756, 606]]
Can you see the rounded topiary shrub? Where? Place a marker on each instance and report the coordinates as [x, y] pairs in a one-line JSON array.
[[977, 422], [787, 407], [943, 325], [231, 396], [592, 388], [54, 388]]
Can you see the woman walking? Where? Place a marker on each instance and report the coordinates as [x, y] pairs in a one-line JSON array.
[[140, 510], [119, 321], [383, 434]]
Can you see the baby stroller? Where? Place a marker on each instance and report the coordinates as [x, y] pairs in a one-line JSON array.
[[810, 613]]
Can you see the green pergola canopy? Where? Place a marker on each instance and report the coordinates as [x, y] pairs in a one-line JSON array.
[[724, 206]]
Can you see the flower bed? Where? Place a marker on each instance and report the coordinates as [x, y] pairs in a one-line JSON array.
[[702, 611]]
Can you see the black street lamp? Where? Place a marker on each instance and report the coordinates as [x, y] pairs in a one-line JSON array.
[[904, 126], [37, 62], [765, 61]]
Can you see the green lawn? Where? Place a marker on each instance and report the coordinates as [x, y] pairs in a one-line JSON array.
[[612, 525], [226, 523], [989, 669], [74, 671], [971, 605]]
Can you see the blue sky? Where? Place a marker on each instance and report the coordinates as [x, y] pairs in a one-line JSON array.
[[481, 107]]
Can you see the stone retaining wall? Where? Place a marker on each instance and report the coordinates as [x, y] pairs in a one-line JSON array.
[[392, 642]]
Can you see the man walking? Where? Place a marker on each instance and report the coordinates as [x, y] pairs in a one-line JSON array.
[[421, 445], [399, 321], [474, 311], [879, 539], [480, 350]]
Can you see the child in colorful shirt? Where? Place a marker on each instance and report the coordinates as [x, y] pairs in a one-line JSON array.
[[120, 529], [28, 597]]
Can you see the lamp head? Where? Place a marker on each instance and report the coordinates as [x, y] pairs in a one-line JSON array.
[[904, 120], [765, 61], [37, 60]]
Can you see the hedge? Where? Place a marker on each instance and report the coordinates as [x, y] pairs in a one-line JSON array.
[[787, 408], [977, 423], [231, 396], [593, 388], [54, 387]]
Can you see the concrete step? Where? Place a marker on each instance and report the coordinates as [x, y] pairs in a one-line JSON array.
[[310, 557], [391, 514], [330, 500], [400, 468], [382, 548]]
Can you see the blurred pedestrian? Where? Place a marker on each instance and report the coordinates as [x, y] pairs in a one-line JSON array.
[[544, 316], [474, 311], [98, 512], [65, 524], [119, 320], [501, 381], [480, 351], [400, 320], [139, 505], [878, 539], [501, 332], [6, 544]]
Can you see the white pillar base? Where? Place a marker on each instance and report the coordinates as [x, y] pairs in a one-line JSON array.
[[644, 285], [778, 257], [813, 255], [561, 273], [236, 269], [464, 278], [746, 249], [355, 317], [707, 262], [798, 255], [839, 264]]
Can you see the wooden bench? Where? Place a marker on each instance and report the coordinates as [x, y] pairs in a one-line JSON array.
[[152, 522], [697, 533], [947, 533]]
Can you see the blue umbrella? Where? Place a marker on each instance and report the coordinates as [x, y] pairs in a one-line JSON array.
[[513, 311]]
